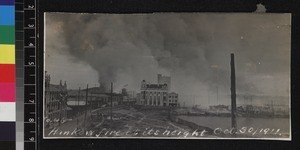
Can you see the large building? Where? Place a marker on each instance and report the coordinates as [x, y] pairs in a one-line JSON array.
[[95, 98], [153, 94], [55, 102], [157, 94]]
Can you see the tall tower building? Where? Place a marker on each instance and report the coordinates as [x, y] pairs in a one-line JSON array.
[[164, 80]]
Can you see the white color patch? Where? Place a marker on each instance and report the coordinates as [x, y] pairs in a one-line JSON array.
[[7, 111]]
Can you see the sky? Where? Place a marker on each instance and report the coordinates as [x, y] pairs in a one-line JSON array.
[[193, 48]]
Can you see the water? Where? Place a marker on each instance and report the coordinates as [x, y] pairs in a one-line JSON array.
[[257, 123]]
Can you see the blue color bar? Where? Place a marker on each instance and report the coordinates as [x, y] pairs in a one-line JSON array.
[[7, 15]]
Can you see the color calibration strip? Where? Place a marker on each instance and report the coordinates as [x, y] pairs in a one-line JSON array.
[[19, 46], [7, 75]]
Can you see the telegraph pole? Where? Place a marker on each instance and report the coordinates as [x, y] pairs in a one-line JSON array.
[[233, 94], [111, 100], [86, 100], [217, 95]]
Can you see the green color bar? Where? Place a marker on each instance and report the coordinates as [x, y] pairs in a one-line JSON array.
[[7, 34]]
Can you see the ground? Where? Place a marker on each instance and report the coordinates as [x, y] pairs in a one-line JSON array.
[[156, 122], [133, 122], [127, 121]]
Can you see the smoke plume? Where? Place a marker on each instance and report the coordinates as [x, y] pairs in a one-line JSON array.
[[192, 48]]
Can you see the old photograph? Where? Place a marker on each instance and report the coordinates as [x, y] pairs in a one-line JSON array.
[[167, 76]]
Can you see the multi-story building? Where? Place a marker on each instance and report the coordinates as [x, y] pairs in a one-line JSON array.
[[154, 94], [94, 97], [173, 99], [55, 102], [157, 94]]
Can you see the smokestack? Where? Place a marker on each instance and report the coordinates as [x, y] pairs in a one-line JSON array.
[[233, 93], [78, 113], [86, 103], [111, 100], [158, 78]]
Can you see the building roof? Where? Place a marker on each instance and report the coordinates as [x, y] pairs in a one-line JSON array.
[[173, 93], [91, 93], [75, 93], [156, 86], [96, 90]]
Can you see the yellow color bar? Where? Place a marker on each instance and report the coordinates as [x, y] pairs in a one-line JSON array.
[[7, 54]]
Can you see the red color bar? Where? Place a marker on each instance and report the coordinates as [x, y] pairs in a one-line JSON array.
[[7, 73]]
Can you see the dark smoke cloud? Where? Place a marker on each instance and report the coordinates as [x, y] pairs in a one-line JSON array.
[[192, 46]]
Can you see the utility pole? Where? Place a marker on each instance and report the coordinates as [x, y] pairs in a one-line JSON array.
[[272, 107], [86, 105], [217, 95], [111, 100], [233, 94], [208, 98], [78, 106]]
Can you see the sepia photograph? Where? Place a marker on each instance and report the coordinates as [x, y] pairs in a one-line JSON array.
[[167, 76]]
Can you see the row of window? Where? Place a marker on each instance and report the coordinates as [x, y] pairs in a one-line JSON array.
[[172, 101], [155, 91], [172, 96], [155, 97], [95, 98], [159, 93]]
